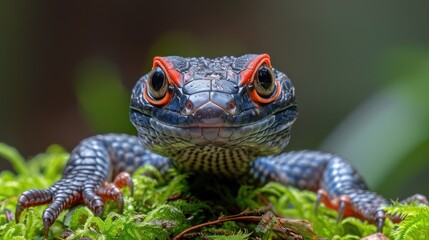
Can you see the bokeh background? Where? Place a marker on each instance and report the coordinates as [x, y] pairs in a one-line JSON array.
[[361, 70]]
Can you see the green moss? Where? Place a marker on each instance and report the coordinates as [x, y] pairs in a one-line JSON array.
[[415, 224], [165, 205]]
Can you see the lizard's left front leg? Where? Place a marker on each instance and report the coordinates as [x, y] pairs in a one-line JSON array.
[[85, 178], [337, 183]]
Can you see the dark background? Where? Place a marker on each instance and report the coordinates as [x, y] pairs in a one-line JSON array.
[[57, 56]]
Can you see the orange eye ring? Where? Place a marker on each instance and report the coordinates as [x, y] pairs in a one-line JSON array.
[[156, 102], [158, 83], [174, 76], [258, 99], [163, 75], [248, 78]]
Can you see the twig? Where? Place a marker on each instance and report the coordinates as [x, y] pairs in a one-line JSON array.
[[219, 221], [240, 218]]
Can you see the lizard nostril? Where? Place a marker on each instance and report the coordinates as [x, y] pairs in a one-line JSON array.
[[231, 105], [188, 105]]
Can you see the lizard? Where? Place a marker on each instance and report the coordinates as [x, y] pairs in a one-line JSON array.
[[227, 117]]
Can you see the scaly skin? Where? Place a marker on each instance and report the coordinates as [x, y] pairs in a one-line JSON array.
[[228, 117]]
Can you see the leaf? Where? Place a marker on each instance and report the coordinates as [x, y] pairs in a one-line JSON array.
[[415, 223], [16, 160], [171, 218], [77, 217], [239, 235]]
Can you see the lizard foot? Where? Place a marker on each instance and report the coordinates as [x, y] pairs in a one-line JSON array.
[[111, 191], [363, 205], [341, 204], [70, 191], [416, 198]]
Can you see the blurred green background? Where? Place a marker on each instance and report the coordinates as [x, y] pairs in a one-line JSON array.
[[361, 70]]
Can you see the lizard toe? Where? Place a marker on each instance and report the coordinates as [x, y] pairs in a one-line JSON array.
[[361, 204], [92, 200], [111, 192], [31, 198], [416, 198], [124, 179]]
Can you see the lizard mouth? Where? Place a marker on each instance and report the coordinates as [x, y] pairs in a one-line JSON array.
[[210, 148], [214, 133]]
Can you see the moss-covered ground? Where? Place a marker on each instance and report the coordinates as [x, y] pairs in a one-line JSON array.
[[170, 206]]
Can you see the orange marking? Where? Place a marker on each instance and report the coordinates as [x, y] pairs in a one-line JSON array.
[[255, 96], [248, 74], [155, 102], [334, 204], [174, 76]]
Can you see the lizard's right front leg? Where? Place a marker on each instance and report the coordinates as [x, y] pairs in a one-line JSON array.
[[91, 164]]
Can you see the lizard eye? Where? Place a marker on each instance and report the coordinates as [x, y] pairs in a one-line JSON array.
[[156, 89], [264, 82], [264, 87], [157, 83]]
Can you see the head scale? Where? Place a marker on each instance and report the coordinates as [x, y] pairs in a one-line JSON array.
[[214, 115]]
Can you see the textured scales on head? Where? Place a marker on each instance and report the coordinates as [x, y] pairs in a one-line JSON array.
[[214, 115]]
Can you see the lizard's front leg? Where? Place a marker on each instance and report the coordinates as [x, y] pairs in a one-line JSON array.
[[337, 183], [91, 164]]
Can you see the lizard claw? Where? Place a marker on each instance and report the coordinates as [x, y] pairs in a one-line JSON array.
[[416, 198], [112, 191], [69, 191], [363, 205], [30, 198], [342, 204], [380, 217], [93, 200], [124, 179], [341, 208], [321, 196]]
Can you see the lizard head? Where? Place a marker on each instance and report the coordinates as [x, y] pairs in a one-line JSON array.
[[191, 108]]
